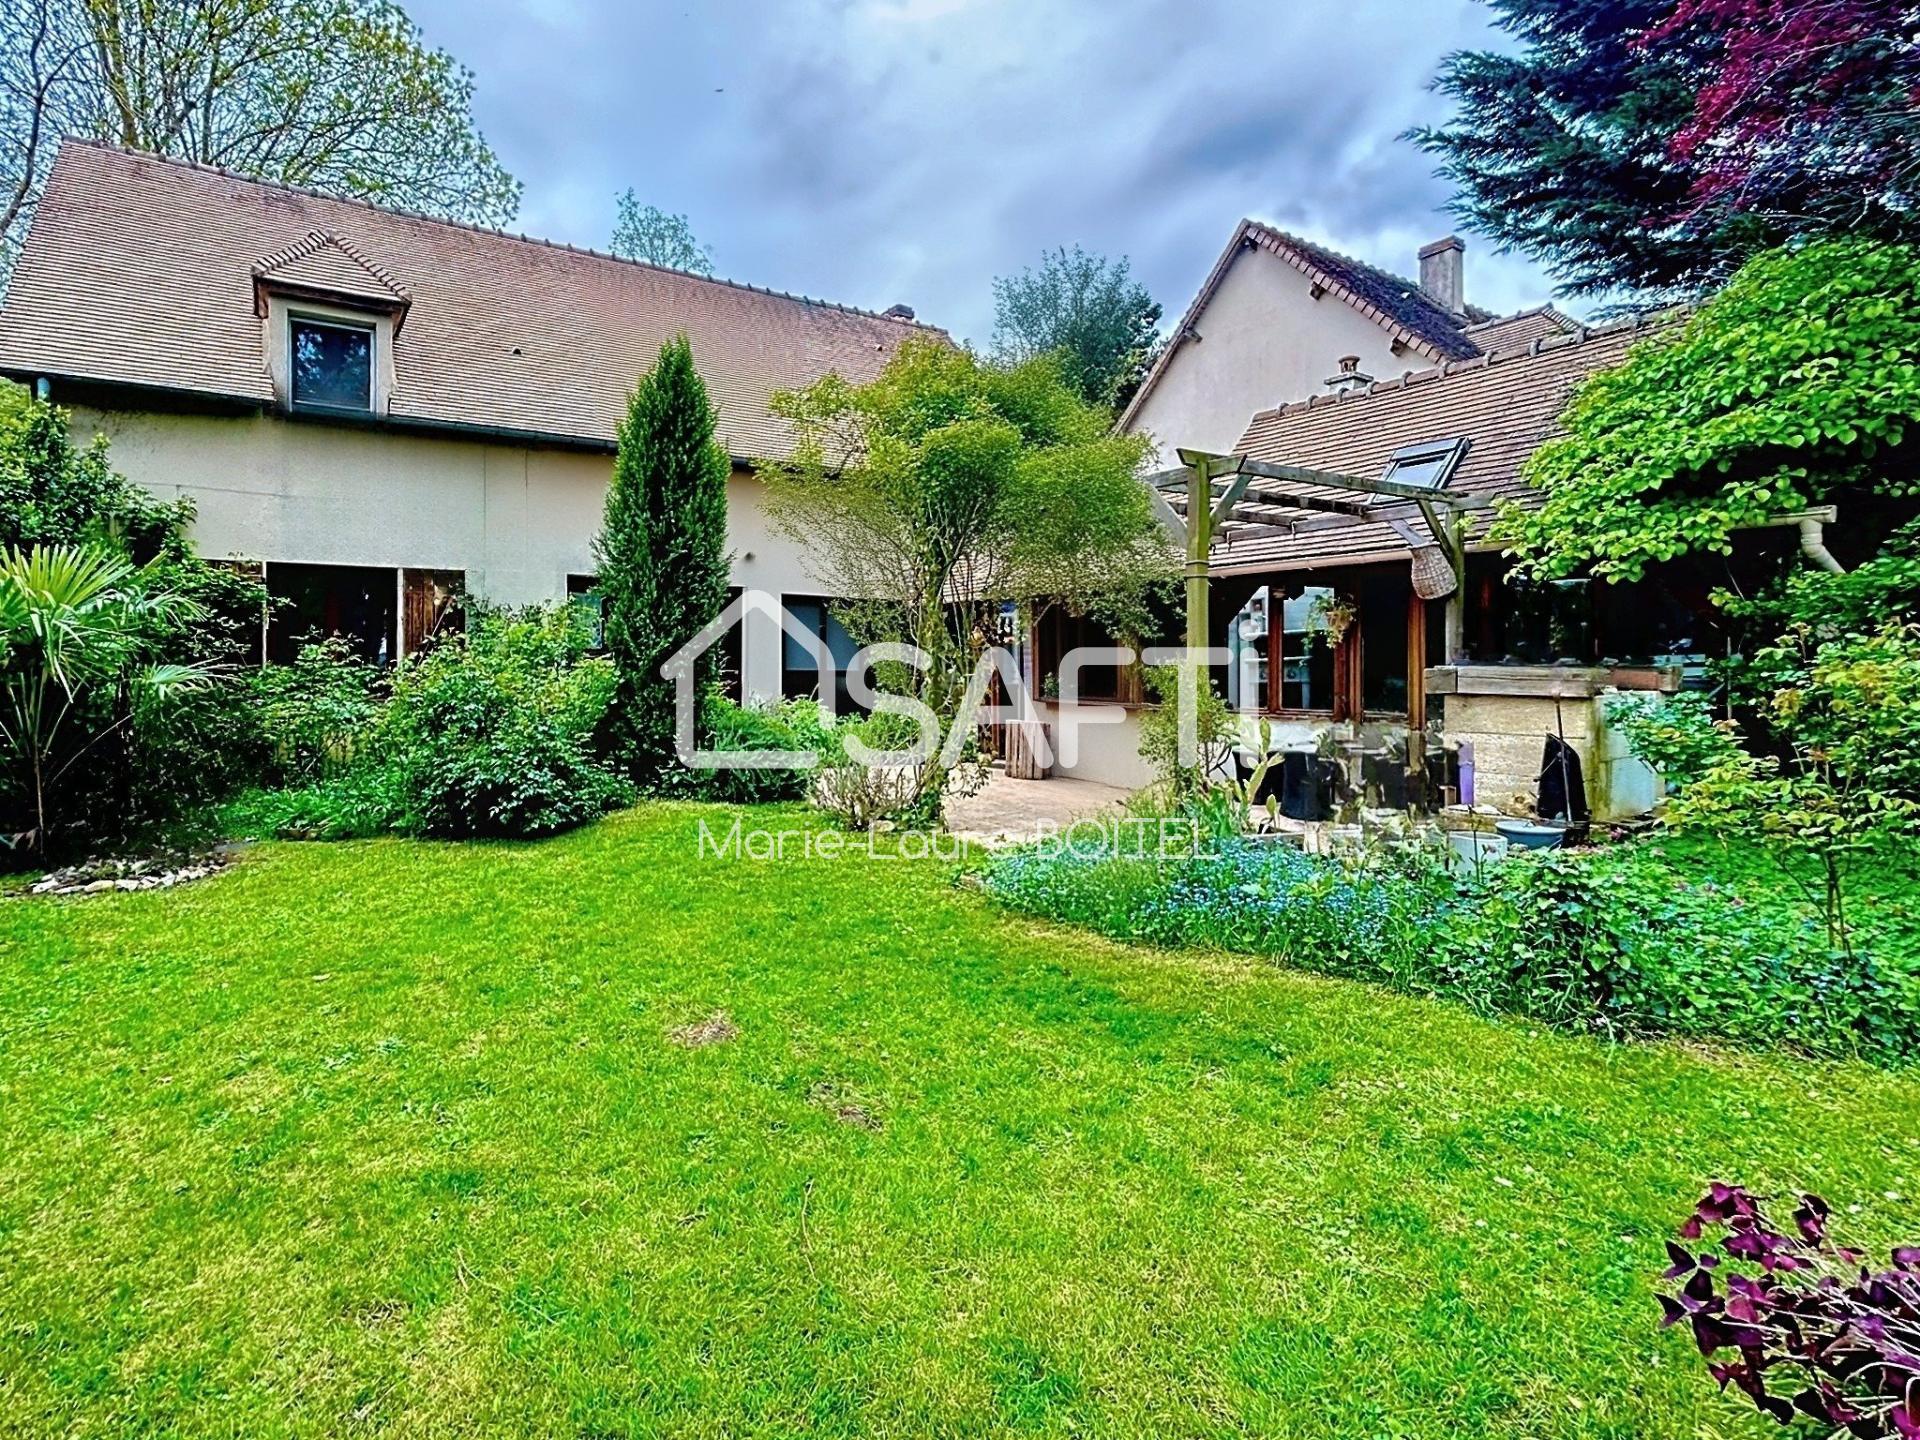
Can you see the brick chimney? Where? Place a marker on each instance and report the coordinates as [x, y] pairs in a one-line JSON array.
[[1443, 274]]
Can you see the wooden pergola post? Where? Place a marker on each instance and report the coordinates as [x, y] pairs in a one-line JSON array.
[[1456, 643], [1199, 542]]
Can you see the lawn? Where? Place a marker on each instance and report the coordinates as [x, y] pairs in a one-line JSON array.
[[393, 1137]]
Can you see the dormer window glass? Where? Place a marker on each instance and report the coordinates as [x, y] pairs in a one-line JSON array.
[[332, 364]]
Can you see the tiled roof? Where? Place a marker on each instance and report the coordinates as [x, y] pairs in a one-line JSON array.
[[1396, 304], [141, 271], [329, 264], [1519, 330], [1399, 305], [1506, 404]]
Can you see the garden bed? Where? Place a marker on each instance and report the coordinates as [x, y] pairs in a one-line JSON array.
[[1656, 936]]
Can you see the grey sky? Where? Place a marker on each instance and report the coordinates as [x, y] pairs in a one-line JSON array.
[[873, 151]]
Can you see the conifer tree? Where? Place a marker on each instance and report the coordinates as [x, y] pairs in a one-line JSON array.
[[662, 554]]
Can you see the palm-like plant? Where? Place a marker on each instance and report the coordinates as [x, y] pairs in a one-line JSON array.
[[72, 618]]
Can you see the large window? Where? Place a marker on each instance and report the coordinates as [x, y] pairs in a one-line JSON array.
[[359, 603], [800, 673], [332, 364], [1306, 650]]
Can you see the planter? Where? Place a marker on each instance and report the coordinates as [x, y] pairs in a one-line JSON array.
[[1026, 743], [1476, 847], [1532, 834]]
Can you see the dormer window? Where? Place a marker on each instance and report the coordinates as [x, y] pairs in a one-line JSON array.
[[331, 363], [331, 317]]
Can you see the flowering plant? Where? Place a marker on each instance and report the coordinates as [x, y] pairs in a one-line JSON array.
[[1814, 1332]]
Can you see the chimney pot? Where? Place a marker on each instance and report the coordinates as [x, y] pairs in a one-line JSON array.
[[1350, 377], [1443, 274]]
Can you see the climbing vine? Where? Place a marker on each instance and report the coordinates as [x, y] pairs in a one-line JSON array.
[[1797, 384]]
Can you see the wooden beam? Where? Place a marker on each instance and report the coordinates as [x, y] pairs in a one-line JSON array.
[[1301, 475], [1169, 519], [1199, 542], [1229, 497], [1456, 537]]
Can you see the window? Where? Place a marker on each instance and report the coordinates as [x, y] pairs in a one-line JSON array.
[[584, 594], [1429, 466], [332, 364], [359, 603], [1306, 650], [800, 673], [1385, 595]]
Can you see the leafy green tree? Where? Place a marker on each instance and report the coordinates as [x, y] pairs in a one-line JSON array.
[[153, 763], [1655, 145], [72, 620], [343, 96], [646, 232], [945, 488], [1087, 310], [662, 553], [1846, 778], [1797, 384], [52, 493]]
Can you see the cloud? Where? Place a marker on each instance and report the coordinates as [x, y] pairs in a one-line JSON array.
[[873, 151]]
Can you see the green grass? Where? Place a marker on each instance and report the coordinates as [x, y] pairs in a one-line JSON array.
[[388, 1137]]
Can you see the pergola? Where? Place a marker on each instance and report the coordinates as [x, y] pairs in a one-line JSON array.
[[1234, 497]]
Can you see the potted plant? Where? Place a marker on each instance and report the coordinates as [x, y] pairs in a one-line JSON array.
[[1331, 616]]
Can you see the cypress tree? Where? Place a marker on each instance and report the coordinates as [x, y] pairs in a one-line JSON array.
[[662, 555]]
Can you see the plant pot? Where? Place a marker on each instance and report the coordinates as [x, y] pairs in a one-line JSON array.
[[1476, 847], [1532, 834]]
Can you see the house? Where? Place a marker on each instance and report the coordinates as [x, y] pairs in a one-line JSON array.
[[1348, 632], [1280, 318], [382, 410]]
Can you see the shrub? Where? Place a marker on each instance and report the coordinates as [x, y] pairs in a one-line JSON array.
[[1814, 1333], [1621, 941], [491, 732], [364, 801], [318, 710], [794, 725], [150, 763], [1215, 727]]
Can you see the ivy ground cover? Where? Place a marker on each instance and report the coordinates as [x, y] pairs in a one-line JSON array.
[[597, 1137]]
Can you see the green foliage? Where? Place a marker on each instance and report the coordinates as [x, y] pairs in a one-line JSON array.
[[946, 487], [147, 766], [54, 494], [488, 733], [1215, 725], [1795, 385], [264, 87], [72, 622], [318, 711], [1656, 145], [1634, 939], [1848, 782], [662, 554], [356, 804], [1087, 311], [793, 725], [492, 732], [645, 232]]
